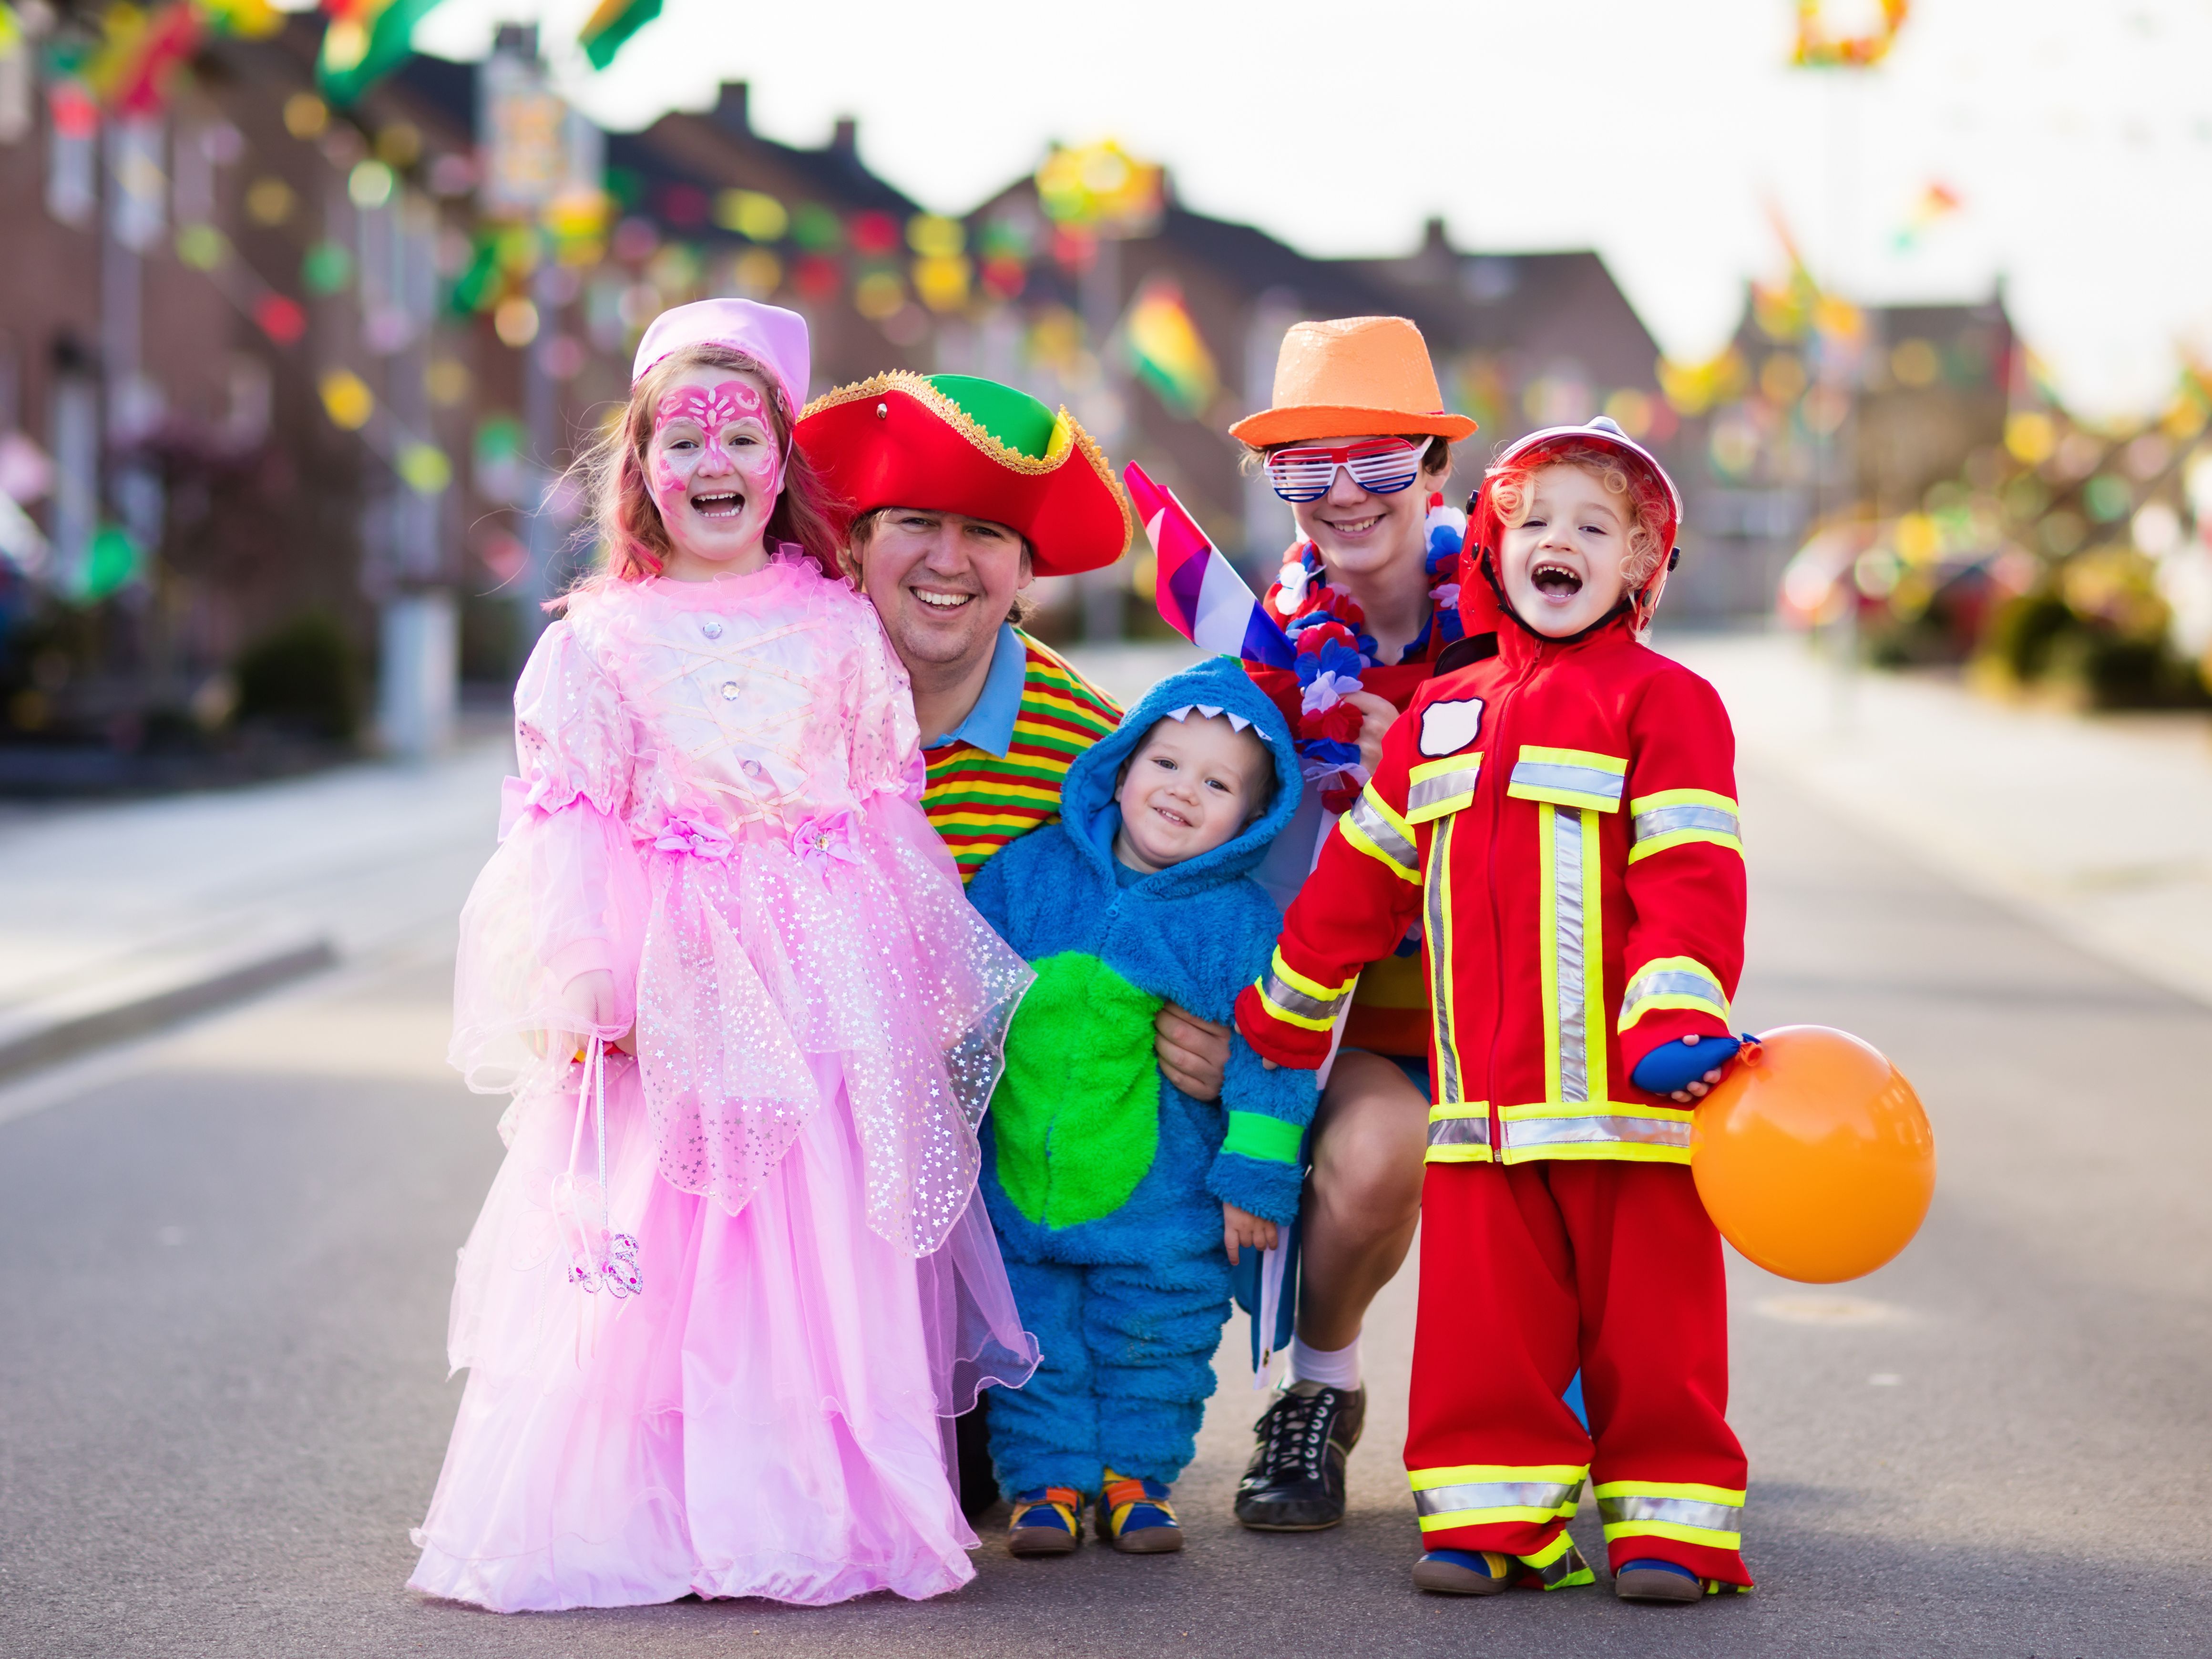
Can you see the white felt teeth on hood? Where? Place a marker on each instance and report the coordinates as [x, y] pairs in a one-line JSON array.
[[1236, 722]]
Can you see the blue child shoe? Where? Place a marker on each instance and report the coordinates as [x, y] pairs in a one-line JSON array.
[[1047, 1521], [1135, 1517], [1652, 1580], [1465, 1572]]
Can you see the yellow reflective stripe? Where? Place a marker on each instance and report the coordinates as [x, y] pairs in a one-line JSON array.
[[1301, 1000], [1573, 952], [1379, 832], [1663, 798], [1594, 1033], [1480, 1494], [1677, 817], [1458, 1474], [1548, 954], [1550, 1551], [1684, 1511], [1297, 981], [1459, 1132], [1440, 787], [1436, 936], [1268, 989], [1709, 1538], [1557, 1568], [1696, 1490], [1625, 1131], [1569, 777], [1673, 982]]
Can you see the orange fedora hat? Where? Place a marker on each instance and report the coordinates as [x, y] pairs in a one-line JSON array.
[[1349, 377]]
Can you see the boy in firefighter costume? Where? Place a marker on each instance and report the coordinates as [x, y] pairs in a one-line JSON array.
[[1559, 815], [1115, 1192]]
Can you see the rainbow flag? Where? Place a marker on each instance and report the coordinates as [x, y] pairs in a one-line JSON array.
[[611, 25], [367, 39], [1198, 591], [1167, 352]]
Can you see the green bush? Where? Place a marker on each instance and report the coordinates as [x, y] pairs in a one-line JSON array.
[[2026, 632], [303, 676], [2126, 673]]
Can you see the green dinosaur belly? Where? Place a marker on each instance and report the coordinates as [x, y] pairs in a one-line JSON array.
[[1076, 1120]]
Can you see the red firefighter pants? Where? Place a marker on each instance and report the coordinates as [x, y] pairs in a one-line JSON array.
[[1527, 1272]]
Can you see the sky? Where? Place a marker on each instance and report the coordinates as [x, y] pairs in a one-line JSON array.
[[1666, 134]]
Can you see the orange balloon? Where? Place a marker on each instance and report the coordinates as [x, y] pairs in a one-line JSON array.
[[1814, 1157]]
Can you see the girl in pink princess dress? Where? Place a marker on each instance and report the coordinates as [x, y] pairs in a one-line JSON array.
[[730, 1285]]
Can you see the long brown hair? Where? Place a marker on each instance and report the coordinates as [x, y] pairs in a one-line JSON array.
[[634, 541]]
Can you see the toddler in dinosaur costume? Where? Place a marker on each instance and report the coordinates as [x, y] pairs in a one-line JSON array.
[[1119, 1200]]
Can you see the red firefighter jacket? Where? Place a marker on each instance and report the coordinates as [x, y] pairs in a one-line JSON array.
[[1562, 820]]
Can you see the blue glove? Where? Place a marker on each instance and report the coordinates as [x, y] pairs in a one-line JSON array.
[[1677, 1064]]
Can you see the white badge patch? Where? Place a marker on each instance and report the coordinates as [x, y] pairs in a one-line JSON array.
[[1449, 727]]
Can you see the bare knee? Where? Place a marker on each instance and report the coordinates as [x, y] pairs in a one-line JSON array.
[[1367, 1155]]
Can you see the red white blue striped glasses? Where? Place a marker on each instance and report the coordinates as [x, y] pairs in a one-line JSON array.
[[1381, 467]]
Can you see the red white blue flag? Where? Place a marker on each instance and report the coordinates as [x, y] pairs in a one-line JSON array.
[[1198, 591]]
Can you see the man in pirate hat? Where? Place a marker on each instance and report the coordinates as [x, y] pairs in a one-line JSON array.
[[964, 492]]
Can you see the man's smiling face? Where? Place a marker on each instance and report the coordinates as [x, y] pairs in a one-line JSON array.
[[942, 582]]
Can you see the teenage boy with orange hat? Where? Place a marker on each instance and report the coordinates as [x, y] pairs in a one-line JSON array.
[[1560, 817], [1358, 442]]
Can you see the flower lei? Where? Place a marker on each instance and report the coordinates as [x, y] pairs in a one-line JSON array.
[[1327, 627]]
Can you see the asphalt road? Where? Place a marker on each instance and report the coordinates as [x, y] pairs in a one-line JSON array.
[[225, 1256]]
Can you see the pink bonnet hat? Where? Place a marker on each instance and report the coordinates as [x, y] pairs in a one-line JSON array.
[[776, 337]]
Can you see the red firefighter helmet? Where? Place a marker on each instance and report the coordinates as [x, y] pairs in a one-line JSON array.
[[1477, 601]]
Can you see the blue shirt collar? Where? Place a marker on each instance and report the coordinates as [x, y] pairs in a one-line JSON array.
[[990, 723]]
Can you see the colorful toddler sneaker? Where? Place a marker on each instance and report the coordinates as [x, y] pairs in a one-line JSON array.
[[1658, 1581], [1465, 1572], [1486, 1572], [1135, 1517], [1047, 1521]]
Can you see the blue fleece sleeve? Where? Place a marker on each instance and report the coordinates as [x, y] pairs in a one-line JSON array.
[[1261, 1164]]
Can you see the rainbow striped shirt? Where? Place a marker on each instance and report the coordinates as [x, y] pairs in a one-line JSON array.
[[980, 798]]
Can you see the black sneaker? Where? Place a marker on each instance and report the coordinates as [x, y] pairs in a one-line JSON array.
[[1295, 1481]]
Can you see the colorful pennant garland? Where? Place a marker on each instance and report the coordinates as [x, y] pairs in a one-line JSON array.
[[611, 25], [367, 39]]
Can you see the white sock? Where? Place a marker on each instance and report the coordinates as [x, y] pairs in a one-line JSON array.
[[1335, 1368]]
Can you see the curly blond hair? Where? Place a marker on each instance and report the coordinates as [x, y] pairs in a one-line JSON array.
[[1641, 499]]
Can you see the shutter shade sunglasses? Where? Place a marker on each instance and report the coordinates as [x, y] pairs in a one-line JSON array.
[[1381, 466]]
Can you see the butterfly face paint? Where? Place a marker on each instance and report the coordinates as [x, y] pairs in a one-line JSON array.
[[714, 466]]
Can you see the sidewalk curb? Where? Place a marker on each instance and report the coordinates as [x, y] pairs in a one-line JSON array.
[[73, 1035]]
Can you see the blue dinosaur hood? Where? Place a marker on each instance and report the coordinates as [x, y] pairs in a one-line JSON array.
[[1088, 790]]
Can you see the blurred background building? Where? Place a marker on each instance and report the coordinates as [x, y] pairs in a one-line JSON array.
[[299, 332]]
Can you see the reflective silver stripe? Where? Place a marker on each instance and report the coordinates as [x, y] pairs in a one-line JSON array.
[[1569, 780], [1498, 1495], [1597, 1129], [1668, 982], [1666, 820], [1460, 1131], [1458, 784], [1564, 1568], [1380, 830], [1674, 1511], [1436, 938], [1567, 951], [1292, 1000]]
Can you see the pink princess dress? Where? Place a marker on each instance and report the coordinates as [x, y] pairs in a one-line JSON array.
[[723, 1299]]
